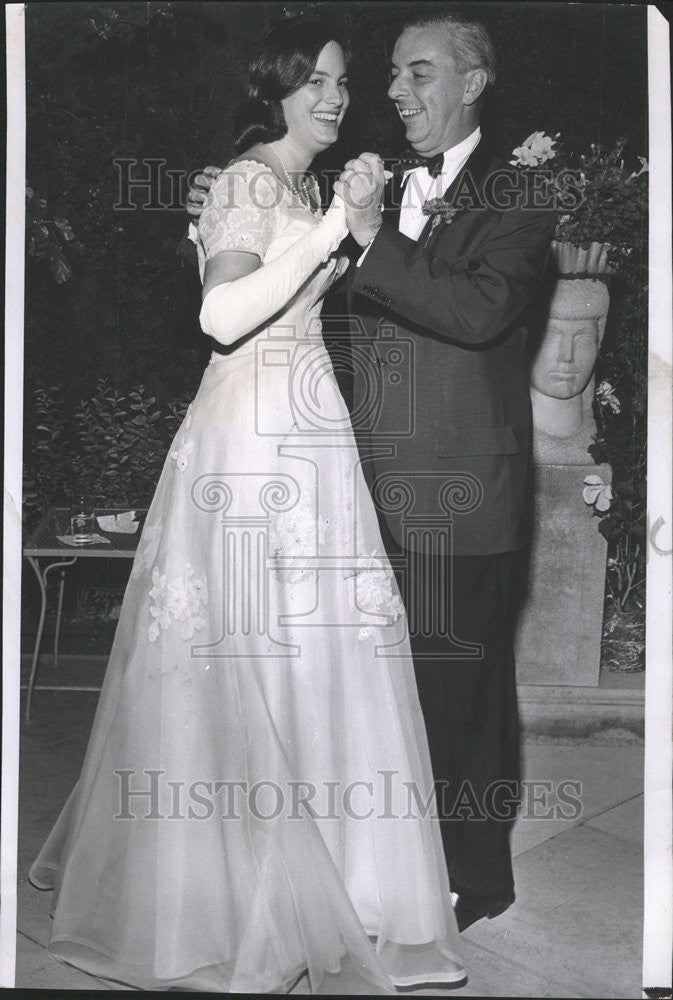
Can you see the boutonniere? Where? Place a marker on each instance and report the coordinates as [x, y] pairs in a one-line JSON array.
[[440, 211]]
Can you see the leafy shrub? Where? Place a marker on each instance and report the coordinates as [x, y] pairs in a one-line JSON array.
[[622, 431], [47, 470], [111, 448], [620, 441], [49, 238]]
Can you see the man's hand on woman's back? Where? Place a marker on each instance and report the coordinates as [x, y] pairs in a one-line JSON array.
[[198, 190]]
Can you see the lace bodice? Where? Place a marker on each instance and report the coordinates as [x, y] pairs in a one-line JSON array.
[[249, 208], [239, 211]]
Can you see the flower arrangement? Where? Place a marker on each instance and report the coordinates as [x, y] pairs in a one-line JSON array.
[[602, 198], [535, 151]]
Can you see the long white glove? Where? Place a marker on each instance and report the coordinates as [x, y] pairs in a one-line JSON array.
[[234, 308]]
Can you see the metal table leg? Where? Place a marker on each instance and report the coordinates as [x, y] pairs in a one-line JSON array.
[[59, 609], [42, 581]]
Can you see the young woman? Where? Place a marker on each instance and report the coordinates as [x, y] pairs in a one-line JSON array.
[[255, 798]]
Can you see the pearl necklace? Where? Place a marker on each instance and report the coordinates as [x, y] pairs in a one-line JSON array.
[[305, 201]]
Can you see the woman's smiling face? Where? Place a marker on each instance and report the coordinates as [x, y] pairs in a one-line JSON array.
[[314, 113]]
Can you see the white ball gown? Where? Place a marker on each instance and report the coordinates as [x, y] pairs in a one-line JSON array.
[[254, 798]]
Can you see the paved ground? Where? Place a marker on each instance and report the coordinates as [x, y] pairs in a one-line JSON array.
[[574, 931]]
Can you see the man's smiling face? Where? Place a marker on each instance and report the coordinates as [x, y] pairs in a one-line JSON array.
[[429, 92]]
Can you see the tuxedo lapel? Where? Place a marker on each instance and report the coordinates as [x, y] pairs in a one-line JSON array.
[[473, 174], [469, 180]]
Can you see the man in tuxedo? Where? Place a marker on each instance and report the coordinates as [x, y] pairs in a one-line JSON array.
[[449, 289]]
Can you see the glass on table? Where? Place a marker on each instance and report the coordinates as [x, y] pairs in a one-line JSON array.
[[82, 521]]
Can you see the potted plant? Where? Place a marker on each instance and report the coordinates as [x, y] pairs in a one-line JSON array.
[[602, 200]]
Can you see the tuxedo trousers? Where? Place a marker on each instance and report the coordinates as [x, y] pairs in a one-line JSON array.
[[467, 688]]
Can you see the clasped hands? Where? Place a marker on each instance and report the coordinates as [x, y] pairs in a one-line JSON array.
[[360, 186]]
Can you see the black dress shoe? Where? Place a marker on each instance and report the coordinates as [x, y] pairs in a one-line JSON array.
[[469, 908]]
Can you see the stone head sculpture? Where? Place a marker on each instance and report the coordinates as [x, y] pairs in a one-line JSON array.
[[561, 373]]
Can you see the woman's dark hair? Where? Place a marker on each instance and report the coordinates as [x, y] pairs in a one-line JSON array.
[[287, 59]]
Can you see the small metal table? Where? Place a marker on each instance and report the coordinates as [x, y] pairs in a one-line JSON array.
[[44, 544]]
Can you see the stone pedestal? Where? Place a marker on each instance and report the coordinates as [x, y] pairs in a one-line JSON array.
[[558, 640]]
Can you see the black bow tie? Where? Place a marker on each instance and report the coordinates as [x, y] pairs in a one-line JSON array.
[[410, 159]]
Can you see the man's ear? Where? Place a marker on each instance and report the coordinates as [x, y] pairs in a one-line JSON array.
[[475, 84]]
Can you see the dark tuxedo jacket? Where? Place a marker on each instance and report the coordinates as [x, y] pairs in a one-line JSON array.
[[441, 404]]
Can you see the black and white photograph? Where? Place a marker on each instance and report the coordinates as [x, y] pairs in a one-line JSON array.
[[337, 567]]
